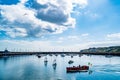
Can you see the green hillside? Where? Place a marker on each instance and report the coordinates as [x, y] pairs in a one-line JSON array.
[[113, 49]]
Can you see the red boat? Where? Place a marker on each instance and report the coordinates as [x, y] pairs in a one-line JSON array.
[[78, 69]]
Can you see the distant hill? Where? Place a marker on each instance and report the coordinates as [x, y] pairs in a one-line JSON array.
[[112, 49]]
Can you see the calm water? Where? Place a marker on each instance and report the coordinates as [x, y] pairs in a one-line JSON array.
[[34, 68]]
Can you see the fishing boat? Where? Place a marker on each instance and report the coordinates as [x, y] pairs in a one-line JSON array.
[[79, 68]]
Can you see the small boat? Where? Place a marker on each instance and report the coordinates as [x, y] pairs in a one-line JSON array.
[[56, 54], [62, 55], [45, 63], [50, 54], [39, 56], [108, 56], [70, 62], [54, 62], [54, 66], [45, 60], [80, 55], [79, 68], [71, 56]]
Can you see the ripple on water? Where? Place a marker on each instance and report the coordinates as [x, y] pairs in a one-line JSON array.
[[107, 68]]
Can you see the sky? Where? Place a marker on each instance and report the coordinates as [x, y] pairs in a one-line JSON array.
[[59, 25]]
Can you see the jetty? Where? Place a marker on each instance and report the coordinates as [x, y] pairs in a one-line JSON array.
[[2, 53]]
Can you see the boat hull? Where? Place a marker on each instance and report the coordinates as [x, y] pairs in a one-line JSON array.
[[77, 69]]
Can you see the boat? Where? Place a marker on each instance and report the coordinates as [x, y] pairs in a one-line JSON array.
[[70, 62], [108, 56], [54, 66], [56, 54], [54, 62], [39, 56], [62, 55], [72, 56], [79, 68], [50, 54], [45, 59]]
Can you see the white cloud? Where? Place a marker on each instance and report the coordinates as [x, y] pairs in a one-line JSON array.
[[81, 3], [15, 32], [40, 16], [114, 36], [61, 38], [84, 35], [73, 37], [92, 15], [76, 38], [23, 1]]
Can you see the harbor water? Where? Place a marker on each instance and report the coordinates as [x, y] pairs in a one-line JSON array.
[[32, 67]]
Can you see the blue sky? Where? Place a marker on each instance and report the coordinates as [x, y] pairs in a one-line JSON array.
[[54, 25]]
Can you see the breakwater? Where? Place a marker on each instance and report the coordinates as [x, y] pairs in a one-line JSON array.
[[35, 53]]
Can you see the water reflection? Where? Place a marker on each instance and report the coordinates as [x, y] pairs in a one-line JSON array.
[[45, 60], [90, 72], [54, 64], [52, 67], [108, 68], [45, 63], [5, 60]]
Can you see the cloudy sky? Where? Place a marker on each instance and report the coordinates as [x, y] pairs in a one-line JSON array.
[[57, 25]]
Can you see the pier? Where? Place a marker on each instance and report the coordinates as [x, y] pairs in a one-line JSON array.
[[35, 53]]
